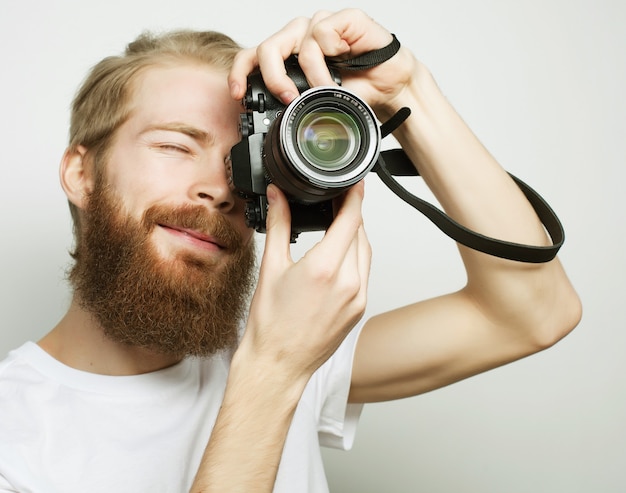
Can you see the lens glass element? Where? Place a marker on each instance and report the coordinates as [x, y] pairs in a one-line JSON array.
[[328, 139]]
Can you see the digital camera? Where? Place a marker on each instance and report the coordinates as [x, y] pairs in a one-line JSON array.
[[323, 142]]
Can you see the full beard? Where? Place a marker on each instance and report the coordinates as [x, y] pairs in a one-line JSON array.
[[187, 305]]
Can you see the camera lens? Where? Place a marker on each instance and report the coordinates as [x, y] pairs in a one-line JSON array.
[[328, 139], [325, 141]]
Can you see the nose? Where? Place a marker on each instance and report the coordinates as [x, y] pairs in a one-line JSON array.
[[212, 185]]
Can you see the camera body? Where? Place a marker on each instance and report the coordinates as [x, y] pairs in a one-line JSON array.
[[313, 149]]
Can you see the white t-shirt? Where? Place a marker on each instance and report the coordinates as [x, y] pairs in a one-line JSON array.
[[65, 431]]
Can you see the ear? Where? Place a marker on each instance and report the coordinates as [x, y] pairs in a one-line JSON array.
[[76, 174]]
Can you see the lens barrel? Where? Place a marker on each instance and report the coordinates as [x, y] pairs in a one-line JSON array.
[[325, 141]]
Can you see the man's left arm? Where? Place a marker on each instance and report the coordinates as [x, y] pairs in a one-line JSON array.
[[507, 309]]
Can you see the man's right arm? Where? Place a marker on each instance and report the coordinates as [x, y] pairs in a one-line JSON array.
[[246, 444], [291, 331]]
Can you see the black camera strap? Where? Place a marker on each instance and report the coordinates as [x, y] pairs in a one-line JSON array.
[[395, 162], [367, 60]]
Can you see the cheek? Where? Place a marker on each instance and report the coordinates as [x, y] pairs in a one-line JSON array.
[[137, 195], [139, 184]]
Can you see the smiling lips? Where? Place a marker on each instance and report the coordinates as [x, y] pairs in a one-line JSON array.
[[195, 237]]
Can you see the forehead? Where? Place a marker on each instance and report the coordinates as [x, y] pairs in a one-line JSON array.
[[193, 93]]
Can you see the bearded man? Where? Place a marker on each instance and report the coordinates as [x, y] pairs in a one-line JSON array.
[[153, 380]]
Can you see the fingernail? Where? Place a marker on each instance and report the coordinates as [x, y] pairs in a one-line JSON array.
[[234, 90], [271, 194], [287, 97]]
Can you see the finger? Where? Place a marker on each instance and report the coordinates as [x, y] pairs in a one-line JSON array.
[[349, 31], [244, 63], [311, 57], [365, 259], [349, 268], [269, 57], [344, 228], [313, 64], [272, 54], [278, 227], [345, 34], [353, 276], [358, 258]]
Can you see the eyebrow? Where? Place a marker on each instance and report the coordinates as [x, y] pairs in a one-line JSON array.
[[195, 133]]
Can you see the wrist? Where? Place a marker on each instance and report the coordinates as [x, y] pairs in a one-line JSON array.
[[258, 406], [433, 123], [267, 376], [413, 84]]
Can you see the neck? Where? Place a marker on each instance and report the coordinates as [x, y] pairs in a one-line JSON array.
[[79, 342]]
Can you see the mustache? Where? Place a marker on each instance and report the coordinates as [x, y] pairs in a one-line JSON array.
[[197, 218]]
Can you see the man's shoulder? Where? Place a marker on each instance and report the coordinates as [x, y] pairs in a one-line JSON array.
[[13, 359], [18, 400]]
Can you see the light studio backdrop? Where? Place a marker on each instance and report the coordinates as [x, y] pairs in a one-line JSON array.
[[540, 81]]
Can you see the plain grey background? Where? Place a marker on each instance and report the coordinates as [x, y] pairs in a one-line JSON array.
[[540, 81]]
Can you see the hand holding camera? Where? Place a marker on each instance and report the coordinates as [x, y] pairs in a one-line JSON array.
[[327, 138], [316, 146]]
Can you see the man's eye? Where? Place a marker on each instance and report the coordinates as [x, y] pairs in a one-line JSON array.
[[173, 148]]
